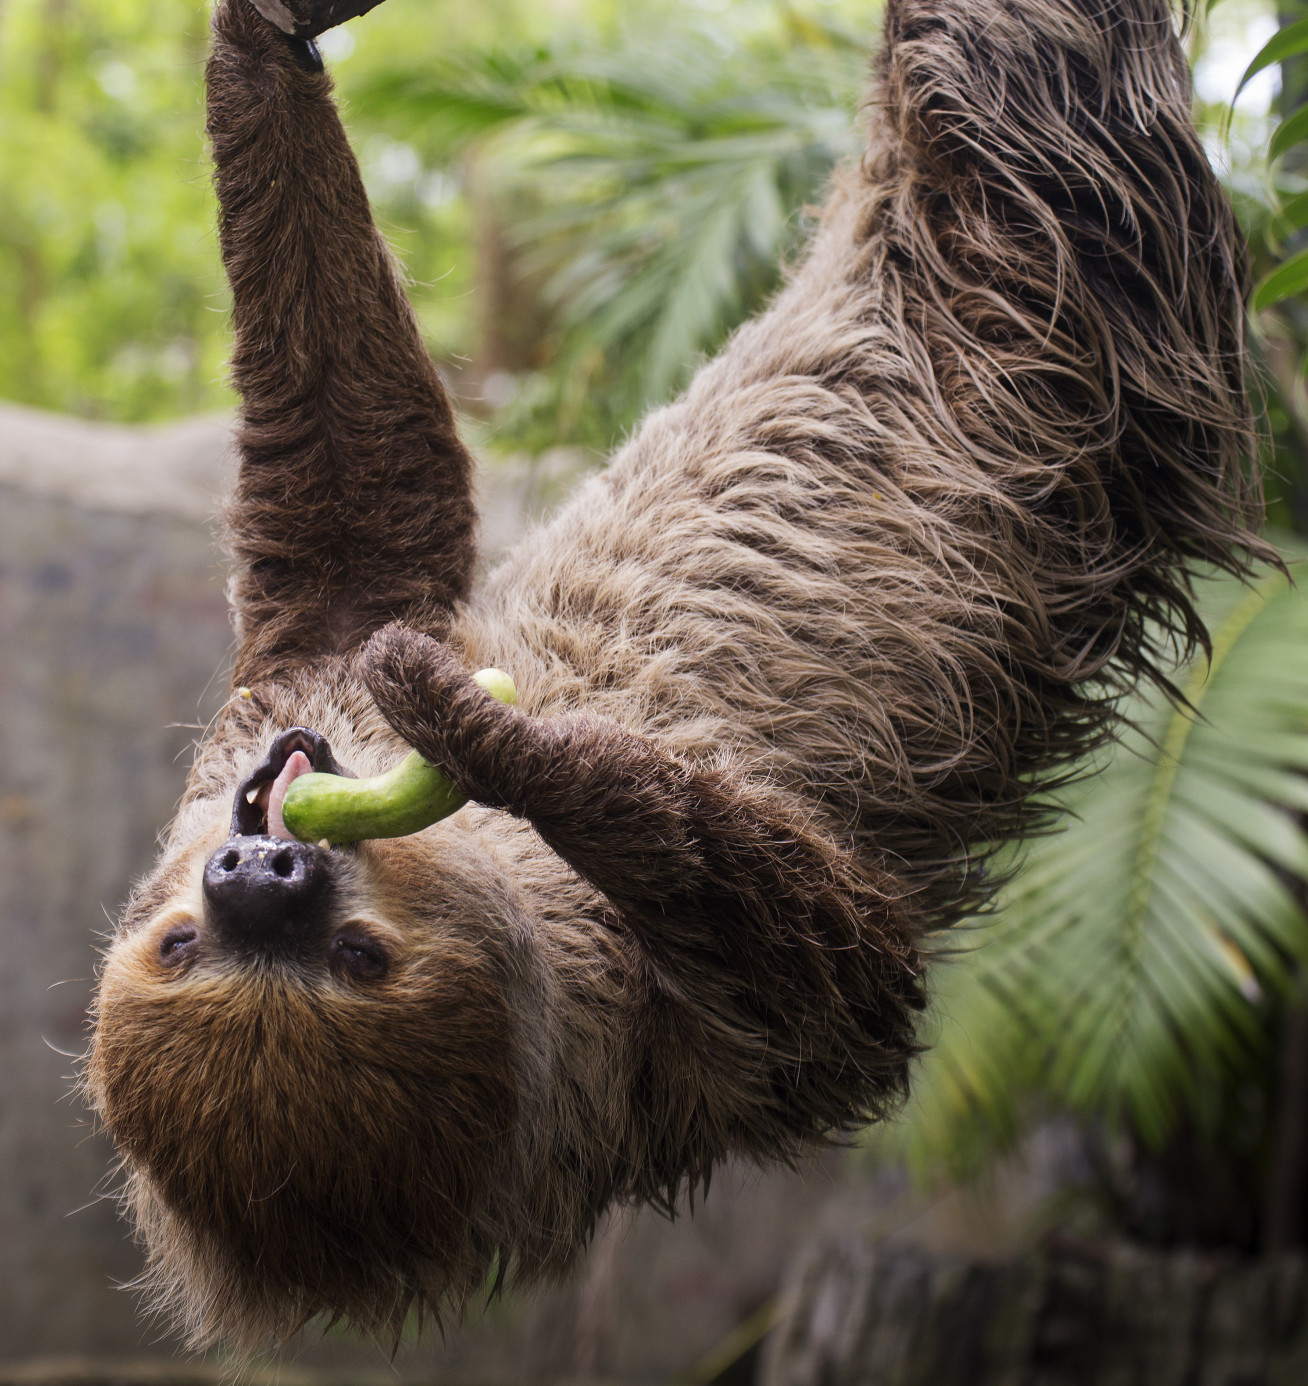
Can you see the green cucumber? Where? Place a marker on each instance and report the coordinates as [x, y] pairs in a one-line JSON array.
[[407, 798]]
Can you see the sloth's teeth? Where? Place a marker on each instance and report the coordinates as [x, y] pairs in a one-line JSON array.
[[252, 794]]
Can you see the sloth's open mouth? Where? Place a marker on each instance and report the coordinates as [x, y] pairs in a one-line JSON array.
[[257, 807]]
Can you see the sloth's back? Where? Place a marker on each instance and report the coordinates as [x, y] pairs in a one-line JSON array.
[[908, 536], [731, 580]]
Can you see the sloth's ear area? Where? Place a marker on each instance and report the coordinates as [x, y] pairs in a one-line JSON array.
[[306, 19]]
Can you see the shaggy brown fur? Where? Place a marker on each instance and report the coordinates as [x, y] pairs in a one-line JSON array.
[[353, 504], [788, 668]]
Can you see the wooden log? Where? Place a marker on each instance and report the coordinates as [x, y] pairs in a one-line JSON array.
[[1084, 1315]]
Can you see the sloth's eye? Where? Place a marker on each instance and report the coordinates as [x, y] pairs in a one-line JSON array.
[[358, 955], [178, 944]]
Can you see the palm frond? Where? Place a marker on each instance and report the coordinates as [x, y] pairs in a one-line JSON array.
[[1130, 956], [670, 171]]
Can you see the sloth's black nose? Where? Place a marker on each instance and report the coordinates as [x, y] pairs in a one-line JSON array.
[[267, 895]]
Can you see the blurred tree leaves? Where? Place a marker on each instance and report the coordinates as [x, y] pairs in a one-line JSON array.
[[110, 297], [1266, 157], [658, 178], [640, 172]]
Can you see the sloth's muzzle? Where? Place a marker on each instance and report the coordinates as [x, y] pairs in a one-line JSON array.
[[266, 895], [263, 892]]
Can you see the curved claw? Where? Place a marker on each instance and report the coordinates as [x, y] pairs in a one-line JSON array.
[[306, 19]]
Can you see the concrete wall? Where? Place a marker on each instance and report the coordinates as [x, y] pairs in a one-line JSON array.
[[111, 627], [113, 633]]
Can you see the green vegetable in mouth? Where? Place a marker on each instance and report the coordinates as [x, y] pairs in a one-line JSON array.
[[407, 798]]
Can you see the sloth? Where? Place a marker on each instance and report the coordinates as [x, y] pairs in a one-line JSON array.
[[789, 668]]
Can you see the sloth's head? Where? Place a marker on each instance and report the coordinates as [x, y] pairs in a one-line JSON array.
[[306, 1057]]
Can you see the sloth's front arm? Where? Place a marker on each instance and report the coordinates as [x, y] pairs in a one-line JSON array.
[[714, 875], [353, 505]]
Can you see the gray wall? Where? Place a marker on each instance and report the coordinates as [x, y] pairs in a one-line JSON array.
[[111, 626]]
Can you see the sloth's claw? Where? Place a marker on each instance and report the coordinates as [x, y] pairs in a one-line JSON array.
[[306, 54], [306, 19]]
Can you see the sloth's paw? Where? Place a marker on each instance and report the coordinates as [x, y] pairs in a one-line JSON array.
[[435, 705]]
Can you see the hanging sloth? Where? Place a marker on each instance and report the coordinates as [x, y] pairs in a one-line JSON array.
[[787, 670]]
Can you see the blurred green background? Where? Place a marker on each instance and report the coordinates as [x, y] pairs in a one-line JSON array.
[[585, 193]]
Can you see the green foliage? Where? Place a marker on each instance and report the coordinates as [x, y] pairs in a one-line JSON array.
[[658, 178], [645, 180], [1288, 41], [1290, 278], [110, 295], [1131, 959]]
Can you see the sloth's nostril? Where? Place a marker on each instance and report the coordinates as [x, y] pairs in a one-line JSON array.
[[282, 864], [232, 860]]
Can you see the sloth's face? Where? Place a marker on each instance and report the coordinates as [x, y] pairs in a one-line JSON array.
[[306, 1057]]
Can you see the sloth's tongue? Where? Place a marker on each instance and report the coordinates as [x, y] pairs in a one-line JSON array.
[[297, 764]]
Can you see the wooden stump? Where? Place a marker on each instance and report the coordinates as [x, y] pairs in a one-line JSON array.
[[1111, 1315]]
